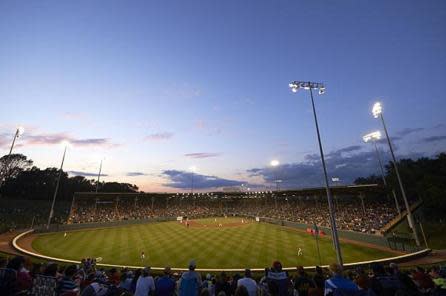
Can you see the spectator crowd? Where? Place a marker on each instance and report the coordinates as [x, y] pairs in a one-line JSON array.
[[351, 214], [19, 276]]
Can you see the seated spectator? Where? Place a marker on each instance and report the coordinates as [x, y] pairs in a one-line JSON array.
[[222, 285], [165, 285], [8, 277], [337, 284], [248, 283], [440, 282], [422, 280], [145, 284], [408, 287], [97, 287], [241, 291], [278, 280], [319, 281], [126, 280], [383, 283], [45, 283], [114, 277], [67, 284], [209, 284], [190, 281], [302, 283]]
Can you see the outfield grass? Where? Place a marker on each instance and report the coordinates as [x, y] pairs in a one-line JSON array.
[[253, 245]]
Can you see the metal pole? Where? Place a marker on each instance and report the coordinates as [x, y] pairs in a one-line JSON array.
[[192, 184], [71, 208], [403, 192], [317, 243], [397, 204], [99, 176], [424, 235], [13, 141], [334, 231], [55, 191]]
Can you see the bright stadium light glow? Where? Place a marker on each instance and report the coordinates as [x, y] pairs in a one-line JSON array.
[[372, 136], [274, 163], [193, 169], [65, 144], [377, 109], [20, 130]]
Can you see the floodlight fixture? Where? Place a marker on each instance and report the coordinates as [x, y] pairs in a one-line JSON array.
[[375, 136], [307, 85], [20, 131], [377, 109], [274, 162]]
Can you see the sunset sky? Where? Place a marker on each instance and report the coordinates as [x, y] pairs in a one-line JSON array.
[[155, 87]]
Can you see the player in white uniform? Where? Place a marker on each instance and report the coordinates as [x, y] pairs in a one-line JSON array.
[[143, 256], [299, 252]]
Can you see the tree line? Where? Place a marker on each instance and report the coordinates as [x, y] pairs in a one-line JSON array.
[[423, 178], [19, 178]]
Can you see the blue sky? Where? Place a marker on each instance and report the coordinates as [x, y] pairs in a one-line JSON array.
[[155, 87]]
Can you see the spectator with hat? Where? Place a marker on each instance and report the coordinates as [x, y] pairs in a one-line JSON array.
[[190, 281]]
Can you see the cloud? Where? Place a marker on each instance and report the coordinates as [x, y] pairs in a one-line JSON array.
[[345, 150], [85, 174], [408, 131], [183, 180], [347, 164], [202, 155], [159, 136], [135, 174], [4, 140], [433, 139], [56, 138]]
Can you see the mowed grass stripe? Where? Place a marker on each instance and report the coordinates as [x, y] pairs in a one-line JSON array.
[[171, 243]]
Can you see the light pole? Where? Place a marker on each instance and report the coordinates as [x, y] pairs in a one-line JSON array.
[[50, 216], [193, 169], [295, 86], [20, 130], [373, 137], [275, 163], [99, 176], [377, 113]]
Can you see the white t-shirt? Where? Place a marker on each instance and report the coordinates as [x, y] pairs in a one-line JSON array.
[[144, 285], [249, 284]]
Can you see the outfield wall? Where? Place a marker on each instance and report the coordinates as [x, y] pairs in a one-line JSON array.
[[70, 227], [350, 235]]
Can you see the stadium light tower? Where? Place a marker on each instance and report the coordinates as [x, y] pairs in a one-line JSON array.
[[99, 176], [20, 130], [275, 163], [192, 169], [65, 144], [378, 113], [295, 86], [373, 137]]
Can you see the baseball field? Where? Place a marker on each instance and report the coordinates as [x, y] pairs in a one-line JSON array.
[[213, 243]]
